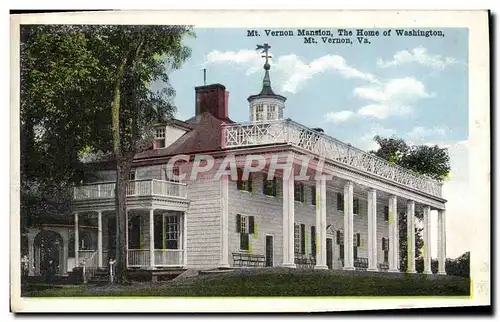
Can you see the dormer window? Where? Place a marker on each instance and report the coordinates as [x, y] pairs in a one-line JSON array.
[[159, 138]]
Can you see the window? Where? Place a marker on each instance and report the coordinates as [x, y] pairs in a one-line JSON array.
[[386, 213], [245, 226], [340, 201], [242, 184], [280, 113], [313, 241], [313, 195], [167, 232], [172, 232], [385, 249], [131, 175], [259, 112], [271, 112], [159, 138], [269, 187], [160, 133], [300, 239], [299, 192], [356, 209]]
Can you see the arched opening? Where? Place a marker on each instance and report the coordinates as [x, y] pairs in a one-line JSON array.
[[24, 255], [48, 253]]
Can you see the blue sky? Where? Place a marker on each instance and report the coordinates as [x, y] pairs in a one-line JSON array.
[[424, 85], [412, 87]]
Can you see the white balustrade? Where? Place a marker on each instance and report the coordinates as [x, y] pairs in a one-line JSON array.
[[290, 132], [144, 187], [169, 257], [163, 257], [138, 257]]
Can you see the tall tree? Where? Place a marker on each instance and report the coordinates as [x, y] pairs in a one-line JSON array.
[[142, 54], [431, 161]]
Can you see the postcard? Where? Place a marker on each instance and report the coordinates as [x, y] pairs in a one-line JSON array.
[[249, 161]]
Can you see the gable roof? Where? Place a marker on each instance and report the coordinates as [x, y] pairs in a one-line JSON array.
[[205, 136]]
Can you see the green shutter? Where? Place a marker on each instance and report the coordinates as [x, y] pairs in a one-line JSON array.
[[238, 223], [338, 237], [302, 238], [251, 226]]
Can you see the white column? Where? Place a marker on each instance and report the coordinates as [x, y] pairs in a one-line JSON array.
[[64, 264], [31, 255], [393, 234], [348, 226], [99, 238], [224, 232], [410, 219], [77, 242], [442, 242], [321, 224], [152, 238], [372, 230], [184, 238], [427, 240], [126, 238], [288, 218]]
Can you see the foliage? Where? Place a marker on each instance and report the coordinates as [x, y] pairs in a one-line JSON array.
[[459, 266], [431, 161]]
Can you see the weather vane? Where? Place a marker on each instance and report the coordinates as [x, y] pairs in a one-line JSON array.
[[265, 50]]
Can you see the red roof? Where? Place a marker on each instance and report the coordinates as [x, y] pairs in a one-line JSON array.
[[205, 136]]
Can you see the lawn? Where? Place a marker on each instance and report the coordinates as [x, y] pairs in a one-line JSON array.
[[276, 283]]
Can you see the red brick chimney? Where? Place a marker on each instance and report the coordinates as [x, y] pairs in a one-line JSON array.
[[213, 99]]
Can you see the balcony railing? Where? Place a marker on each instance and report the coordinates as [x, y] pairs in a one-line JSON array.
[[162, 257], [290, 132], [146, 187]]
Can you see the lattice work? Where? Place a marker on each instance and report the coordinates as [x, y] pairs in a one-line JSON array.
[[288, 131]]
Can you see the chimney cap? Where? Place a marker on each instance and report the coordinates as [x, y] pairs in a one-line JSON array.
[[318, 129], [216, 85]]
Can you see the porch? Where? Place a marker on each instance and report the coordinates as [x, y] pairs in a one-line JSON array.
[[155, 235], [154, 238]]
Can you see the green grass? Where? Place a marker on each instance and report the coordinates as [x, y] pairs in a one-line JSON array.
[[272, 284]]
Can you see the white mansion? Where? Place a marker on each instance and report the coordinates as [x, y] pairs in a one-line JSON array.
[[347, 222]]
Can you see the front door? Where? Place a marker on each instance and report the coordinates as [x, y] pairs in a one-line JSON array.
[[329, 253], [269, 250]]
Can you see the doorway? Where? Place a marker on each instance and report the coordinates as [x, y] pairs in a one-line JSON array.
[[269, 251], [329, 253], [48, 253]]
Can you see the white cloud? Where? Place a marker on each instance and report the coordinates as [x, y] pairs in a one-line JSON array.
[[420, 56], [292, 72], [381, 111], [249, 59], [421, 132], [394, 97], [339, 117]]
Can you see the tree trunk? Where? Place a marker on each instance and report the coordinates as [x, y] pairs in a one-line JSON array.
[[122, 171], [121, 178]]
